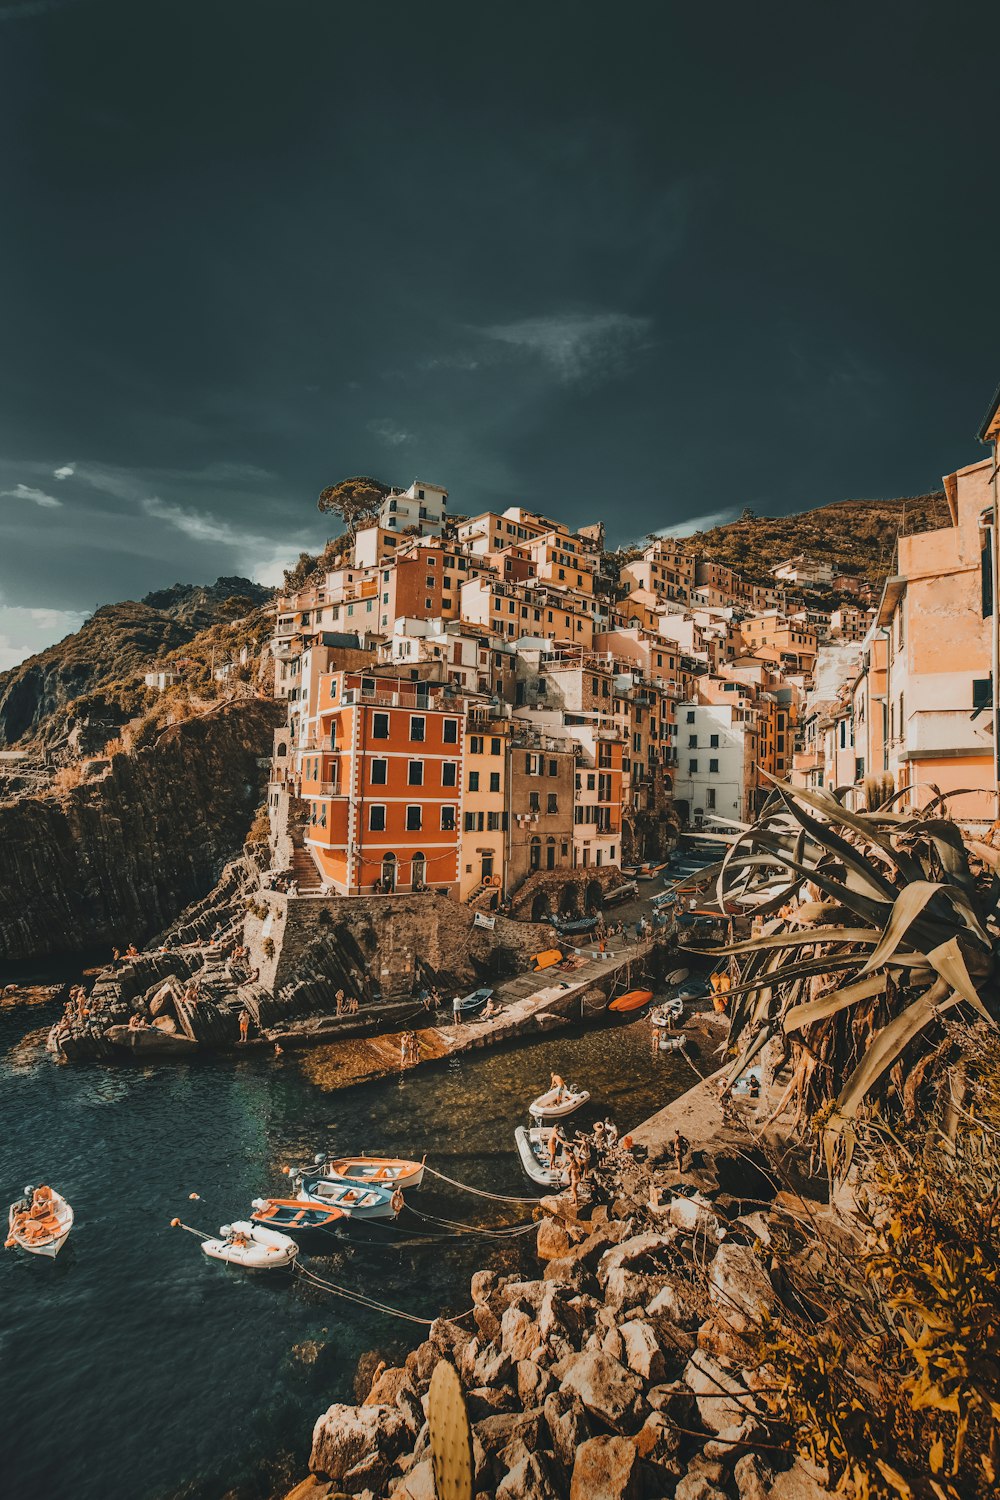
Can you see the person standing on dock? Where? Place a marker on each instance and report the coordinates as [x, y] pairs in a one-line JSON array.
[[681, 1145], [244, 1024]]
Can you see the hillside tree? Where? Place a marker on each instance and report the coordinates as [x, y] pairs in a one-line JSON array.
[[354, 500]]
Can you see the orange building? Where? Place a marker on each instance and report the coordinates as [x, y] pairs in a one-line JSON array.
[[384, 784]]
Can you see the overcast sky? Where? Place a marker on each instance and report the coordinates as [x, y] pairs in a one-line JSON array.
[[642, 263]]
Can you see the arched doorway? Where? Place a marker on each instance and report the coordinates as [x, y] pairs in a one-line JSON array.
[[569, 901], [550, 853], [389, 873], [418, 872], [535, 853], [540, 907], [595, 895]]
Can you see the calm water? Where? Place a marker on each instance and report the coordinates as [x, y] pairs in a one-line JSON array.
[[133, 1366]]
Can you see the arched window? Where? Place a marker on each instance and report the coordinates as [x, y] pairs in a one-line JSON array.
[[282, 748], [550, 853], [535, 853]]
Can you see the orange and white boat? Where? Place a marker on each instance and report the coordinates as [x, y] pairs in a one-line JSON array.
[[631, 1000], [39, 1222], [547, 958], [373, 1171]]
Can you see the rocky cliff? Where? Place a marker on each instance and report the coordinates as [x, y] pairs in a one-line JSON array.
[[114, 645], [115, 859]]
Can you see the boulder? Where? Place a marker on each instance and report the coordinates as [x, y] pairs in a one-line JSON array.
[[486, 1322], [695, 1486], [370, 1474], [803, 1481], [533, 1383], [524, 1293], [752, 1477], [606, 1468], [731, 1441], [641, 1350], [552, 1241], [676, 1400], [695, 1215], [448, 1338], [420, 1362], [570, 1273], [607, 1389], [498, 1432], [345, 1435], [677, 1302], [659, 1442], [410, 1409], [531, 1479], [723, 1401], [418, 1484], [641, 1251], [624, 1288], [483, 1285], [566, 1419], [386, 1387], [739, 1288], [492, 1367], [557, 1316], [519, 1333], [484, 1401]]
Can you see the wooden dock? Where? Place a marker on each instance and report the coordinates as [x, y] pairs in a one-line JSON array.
[[531, 1003]]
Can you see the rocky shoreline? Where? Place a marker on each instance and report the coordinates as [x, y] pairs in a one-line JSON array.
[[628, 1368]]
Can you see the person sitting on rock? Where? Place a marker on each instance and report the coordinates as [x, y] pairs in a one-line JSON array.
[[131, 951]]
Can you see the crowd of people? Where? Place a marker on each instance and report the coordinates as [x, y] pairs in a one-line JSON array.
[[588, 1154]]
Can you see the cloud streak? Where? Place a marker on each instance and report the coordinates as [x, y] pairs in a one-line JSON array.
[[389, 432], [36, 497], [576, 347], [698, 523], [66, 471]]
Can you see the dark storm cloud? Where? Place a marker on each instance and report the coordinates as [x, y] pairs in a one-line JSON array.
[[644, 264]]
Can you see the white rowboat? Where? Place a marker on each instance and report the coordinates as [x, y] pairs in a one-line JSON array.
[[533, 1149], [40, 1222]]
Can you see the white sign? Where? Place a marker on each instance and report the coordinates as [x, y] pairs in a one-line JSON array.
[[481, 920]]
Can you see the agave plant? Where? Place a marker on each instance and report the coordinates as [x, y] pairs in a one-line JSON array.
[[869, 928]]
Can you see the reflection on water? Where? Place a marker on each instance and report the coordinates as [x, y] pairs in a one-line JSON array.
[[133, 1366]]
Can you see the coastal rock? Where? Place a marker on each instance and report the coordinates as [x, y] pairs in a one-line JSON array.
[[487, 1400], [695, 1486], [519, 1334], [677, 1302], [533, 1383], [410, 1409], [607, 1389], [630, 1288], [386, 1387], [483, 1285], [448, 1338], [606, 1468], [675, 1399], [712, 1384], [640, 1251], [552, 1240], [523, 1294], [486, 1322], [496, 1433], [531, 1479], [572, 1273], [566, 1419], [418, 1484], [695, 1215], [641, 1350], [659, 1441], [345, 1435], [803, 1481], [558, 1318], [739, 1288]]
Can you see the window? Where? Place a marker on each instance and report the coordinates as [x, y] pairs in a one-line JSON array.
[[534, 802], [552, 804], [476, 744], [494, 781], [450, 734], [495, 747], [713, 765], [418, 725], [690, 716], [413, 819], [591, 782], [376, 817], [415, 773], [470, 822], [692, 768], [692, 742], [380, 726], [713, 741], [428, 604], [380, 772], [449, 773], [553, 768], [447, 819], [710, 798], [473, 781], [535, 855]]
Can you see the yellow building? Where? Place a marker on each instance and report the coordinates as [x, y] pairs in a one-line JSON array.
[[485, 817]]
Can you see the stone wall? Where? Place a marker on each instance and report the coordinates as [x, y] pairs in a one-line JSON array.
[[565, 891], [392, 936]]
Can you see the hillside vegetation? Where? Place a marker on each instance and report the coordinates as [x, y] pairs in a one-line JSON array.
[[857, 536]]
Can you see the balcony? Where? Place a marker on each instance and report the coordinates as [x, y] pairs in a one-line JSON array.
[[949, 732], [330, 788], [354, 696]]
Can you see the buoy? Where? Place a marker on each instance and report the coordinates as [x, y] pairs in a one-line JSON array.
[[175, 1223], [194, 1197]]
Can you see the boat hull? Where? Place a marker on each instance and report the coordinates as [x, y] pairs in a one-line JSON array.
[[550, 1107], [49, 1246], [632, 1000], [376, 1171], [265, 1249], [532, 1148], [360, 1203], [291, 1216]]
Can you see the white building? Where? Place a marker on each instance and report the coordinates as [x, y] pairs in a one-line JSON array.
[[422, 505], [715, 746], [161, 680]]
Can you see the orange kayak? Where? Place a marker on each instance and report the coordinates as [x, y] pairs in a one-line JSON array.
[[547, 959], [632, 1000]]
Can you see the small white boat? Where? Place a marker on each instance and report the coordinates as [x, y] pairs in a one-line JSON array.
[[677, 977], [39, 1222], [675, 1042], [558, 1102], [252, 1247], [667, 1014], [533, 1149]]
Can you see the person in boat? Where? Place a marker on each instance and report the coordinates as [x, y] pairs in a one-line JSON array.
[[557, 1144], [559, 1086], [238, 1239]]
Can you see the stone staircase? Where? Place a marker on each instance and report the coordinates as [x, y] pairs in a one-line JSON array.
[[305, 871]]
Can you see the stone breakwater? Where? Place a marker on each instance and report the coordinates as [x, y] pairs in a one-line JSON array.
[[625, 1370]]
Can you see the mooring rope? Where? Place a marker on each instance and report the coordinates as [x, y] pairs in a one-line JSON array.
[[478, 1192], [506, 1231], [361, 1300]]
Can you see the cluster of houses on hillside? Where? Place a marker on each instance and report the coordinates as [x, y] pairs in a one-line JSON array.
[[476, 703]]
